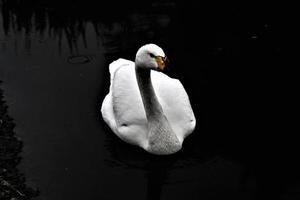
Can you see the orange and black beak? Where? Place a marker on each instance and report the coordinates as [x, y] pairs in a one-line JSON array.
[[161, 62]]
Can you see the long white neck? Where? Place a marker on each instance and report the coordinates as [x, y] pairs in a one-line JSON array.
[[162, 139], [153, 109]]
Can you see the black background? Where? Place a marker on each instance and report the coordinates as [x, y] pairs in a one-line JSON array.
[[229, 57]]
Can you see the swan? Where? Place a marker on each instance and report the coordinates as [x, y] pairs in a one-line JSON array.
[[145, 107]]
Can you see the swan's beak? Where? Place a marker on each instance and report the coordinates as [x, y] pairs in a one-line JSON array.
[[161, 62]]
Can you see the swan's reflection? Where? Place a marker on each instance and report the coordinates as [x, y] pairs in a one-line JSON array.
[[156, 176], [160, 172]]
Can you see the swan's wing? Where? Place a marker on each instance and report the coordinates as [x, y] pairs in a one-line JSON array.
[[115, 65], [128, 109], [107, 104], [175, 103]]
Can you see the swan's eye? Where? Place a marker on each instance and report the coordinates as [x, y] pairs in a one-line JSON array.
[[151, 55]]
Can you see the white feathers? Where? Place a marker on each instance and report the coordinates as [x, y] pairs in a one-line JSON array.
[[154, 49], [123, 110]]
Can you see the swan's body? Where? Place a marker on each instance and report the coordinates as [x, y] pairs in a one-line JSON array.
[[146, 107]]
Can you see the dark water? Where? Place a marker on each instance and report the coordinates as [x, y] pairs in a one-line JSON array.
[[54, 66]]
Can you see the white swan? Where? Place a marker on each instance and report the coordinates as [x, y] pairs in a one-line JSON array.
[[145, 107]]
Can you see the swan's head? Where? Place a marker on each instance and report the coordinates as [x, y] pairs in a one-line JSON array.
[[150, 56]]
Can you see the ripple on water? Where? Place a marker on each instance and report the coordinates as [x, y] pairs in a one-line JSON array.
[[80, 59]]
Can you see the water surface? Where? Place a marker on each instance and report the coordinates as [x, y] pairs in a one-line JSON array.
[[54, 67]]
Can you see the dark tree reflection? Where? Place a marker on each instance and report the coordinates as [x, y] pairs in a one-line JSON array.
[[113, 25]]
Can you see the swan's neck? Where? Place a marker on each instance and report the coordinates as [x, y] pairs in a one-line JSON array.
[[162, 139], [153, 109]]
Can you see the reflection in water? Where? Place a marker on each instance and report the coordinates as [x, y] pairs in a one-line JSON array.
[[162, 172], [117, 33], [157, 175]]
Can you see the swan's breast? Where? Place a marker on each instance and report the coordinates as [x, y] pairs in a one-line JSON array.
[[175, 103]]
